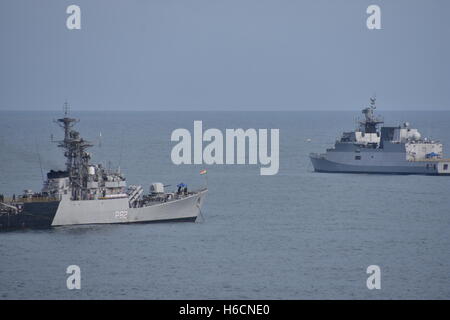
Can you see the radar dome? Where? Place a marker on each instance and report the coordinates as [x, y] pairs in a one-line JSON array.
[[416, 135]]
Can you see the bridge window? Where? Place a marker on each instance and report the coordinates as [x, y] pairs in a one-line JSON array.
[[445, 166], [357, 157]]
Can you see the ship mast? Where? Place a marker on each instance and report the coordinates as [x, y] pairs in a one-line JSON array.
[[77, 158], [370, 123]]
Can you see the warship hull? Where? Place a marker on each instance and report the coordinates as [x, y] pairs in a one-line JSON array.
[[35, 215], [68, 212], [85, 193], [322, 164], [390, 150]]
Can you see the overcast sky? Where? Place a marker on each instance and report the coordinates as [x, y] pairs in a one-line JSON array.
[[224, 55]]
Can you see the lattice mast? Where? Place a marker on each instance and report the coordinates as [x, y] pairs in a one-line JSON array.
[[77, 158]]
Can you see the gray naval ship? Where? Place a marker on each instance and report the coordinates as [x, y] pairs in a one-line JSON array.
[[85, 193], [396, 150]]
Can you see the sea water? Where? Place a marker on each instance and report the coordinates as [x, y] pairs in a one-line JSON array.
[[294, 235]]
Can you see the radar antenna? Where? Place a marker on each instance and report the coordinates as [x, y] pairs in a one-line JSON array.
[[66, 108], [373, 99]]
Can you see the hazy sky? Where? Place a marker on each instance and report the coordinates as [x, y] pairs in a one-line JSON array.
[[224, 55]]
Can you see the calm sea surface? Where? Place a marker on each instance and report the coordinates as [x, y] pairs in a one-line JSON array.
[[295, 235]]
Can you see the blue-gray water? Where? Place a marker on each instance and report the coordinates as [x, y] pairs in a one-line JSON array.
[[296, 235]]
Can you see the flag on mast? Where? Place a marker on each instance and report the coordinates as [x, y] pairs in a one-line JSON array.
[[203, 171]]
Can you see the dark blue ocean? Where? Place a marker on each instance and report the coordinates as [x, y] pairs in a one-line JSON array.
[[295, 235]]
